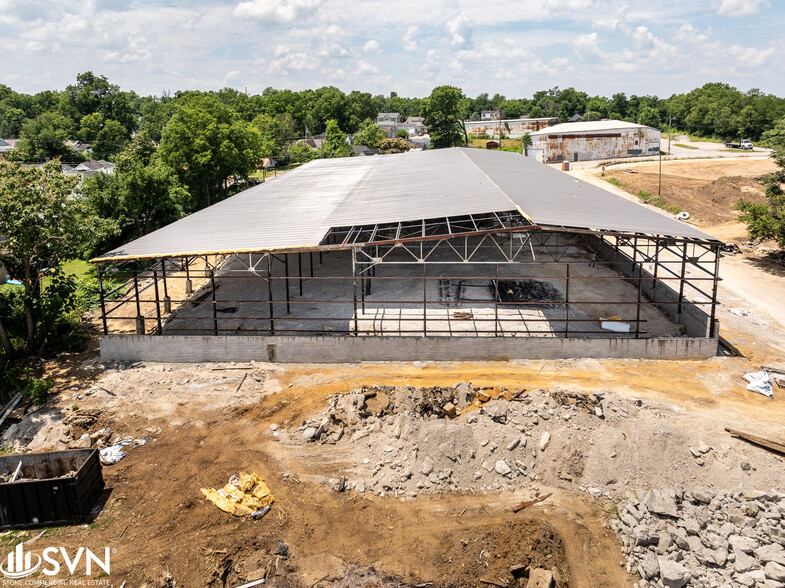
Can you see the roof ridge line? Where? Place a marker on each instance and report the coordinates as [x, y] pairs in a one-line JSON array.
[[498, 187]]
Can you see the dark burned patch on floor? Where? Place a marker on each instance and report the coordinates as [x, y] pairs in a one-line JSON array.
[[527, 291]]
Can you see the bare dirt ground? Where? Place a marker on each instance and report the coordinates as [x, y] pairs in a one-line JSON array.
[[707, 189]]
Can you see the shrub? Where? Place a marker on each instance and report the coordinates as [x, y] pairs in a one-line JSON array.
[[38, 390]]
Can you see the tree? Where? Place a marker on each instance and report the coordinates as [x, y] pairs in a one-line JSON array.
[[110, 140], [93, 93], [394, 145], [526, 142], [277, 133], [141, 195], [767, 220], [45, 223], [369, 135], [206, 143], [649, 116], [301, 153], [335, 143], [443, 117], [45, 137]]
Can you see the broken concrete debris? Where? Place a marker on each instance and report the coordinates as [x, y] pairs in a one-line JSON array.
[[703, 539], [422, 440]]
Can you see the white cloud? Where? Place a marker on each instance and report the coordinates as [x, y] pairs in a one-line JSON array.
[[363, 67], [286, 61], [409, 39], [460, 30], [739, 8], [587, 49], [276, 11], [372, 46]]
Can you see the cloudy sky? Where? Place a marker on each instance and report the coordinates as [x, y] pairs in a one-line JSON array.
[[513, 47]]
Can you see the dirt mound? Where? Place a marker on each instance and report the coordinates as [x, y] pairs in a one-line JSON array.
[[710, 202]]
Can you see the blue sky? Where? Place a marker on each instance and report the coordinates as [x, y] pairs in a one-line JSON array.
[[514, 47]]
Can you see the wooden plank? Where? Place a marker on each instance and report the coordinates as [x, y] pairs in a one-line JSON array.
[[523, 505], [767, 443]]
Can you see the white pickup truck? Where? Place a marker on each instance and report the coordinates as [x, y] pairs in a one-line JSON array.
[[743, 144]]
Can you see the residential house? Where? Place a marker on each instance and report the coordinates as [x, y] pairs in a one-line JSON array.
[[363, 151], [87, 169]]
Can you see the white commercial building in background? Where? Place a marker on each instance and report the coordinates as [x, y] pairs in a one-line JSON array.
[[585, 141]]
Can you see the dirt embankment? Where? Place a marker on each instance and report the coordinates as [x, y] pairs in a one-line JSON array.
[[709, 202]]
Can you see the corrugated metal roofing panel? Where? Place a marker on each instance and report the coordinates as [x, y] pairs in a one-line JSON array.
[[589, 126], [551, 197], [299, 208]]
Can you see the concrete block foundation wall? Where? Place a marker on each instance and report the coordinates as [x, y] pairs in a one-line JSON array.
[[696, 322], [347, 349]]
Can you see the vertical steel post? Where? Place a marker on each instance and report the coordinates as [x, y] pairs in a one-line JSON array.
[[157, 302], [300, 270], [362, 290], [354, 292], [167, 300], [424, 297], [188, 284], [717, 256], [163, 276], [270, 292], [310, 262], [286, 281], [101, 297], [140, 330], [683, 273], [215, 306], [496, 305], [567, 304], [136, 291], [638, 306]]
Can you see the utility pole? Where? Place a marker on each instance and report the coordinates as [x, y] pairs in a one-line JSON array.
[[669, 133]]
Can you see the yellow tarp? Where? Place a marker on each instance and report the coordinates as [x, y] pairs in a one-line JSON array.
[[242, 496]]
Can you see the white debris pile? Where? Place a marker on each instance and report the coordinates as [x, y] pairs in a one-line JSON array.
[[703, 539]]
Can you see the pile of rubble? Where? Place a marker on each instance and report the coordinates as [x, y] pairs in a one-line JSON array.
[[678, 538], [414, 440]]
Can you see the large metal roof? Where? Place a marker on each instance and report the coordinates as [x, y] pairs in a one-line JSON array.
[[298, 209], [590, 127]]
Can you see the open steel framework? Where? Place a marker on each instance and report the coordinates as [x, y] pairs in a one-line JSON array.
[[486, 247]]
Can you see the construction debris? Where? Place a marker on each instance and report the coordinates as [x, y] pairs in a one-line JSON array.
[[767, 443], [246, 495], [759, 382], [528, 503]]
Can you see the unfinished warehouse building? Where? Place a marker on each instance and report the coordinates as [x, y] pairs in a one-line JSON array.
[[454, 254]]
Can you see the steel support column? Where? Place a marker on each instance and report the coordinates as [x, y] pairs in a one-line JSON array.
[[712, 327], [214, 304], [270, 292], [683, 273], [101, 297], [157, 303]]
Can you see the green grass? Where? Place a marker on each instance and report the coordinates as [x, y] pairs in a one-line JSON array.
[[657, 201], [614, 182], [683, 146]]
